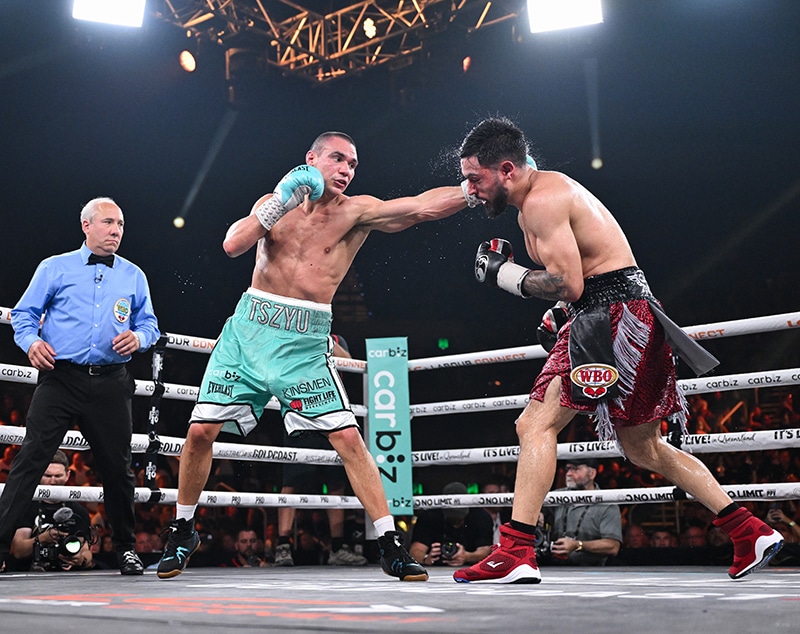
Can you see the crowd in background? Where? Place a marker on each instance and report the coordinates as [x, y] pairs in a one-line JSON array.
[[684, 527]]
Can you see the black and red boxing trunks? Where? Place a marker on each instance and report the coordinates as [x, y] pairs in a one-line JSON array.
[[615, 355]]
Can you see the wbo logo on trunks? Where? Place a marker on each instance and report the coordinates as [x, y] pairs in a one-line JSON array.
[[594, 379]]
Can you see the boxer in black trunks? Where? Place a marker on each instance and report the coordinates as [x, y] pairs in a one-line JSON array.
[[577, 241]]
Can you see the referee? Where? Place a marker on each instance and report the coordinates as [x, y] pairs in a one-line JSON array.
[[97, 312]]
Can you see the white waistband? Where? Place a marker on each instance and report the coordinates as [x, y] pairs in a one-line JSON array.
[[292, 301]]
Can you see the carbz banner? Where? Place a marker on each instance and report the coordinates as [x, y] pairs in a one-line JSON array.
[[389, 419]]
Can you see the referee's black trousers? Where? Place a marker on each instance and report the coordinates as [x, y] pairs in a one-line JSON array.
[[101, 407]]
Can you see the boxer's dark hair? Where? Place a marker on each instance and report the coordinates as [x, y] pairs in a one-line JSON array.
[[494, 140], [319, 142]]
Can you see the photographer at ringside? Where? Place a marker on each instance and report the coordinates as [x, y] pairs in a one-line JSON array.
[[56, 536], [452, 536], [582, 534]]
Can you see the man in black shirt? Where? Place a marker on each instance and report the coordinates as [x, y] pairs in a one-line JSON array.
[[452, 536], [56, 535]]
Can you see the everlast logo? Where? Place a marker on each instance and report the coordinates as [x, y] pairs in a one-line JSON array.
[[216, 388], [279, 316]]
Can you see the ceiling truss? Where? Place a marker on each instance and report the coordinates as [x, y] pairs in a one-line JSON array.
[[301, 38]]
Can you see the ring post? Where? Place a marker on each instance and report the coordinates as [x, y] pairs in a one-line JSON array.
[[154, 443], [388, 426]]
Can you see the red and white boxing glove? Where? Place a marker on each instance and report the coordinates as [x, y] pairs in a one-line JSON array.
[[494, 264], [552, 321]]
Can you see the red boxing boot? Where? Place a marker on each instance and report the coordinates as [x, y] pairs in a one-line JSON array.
[[513, 560], [754, 543]]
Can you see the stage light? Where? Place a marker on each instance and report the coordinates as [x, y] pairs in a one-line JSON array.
[[188, 62], [179, 222], [597, 163], [370, 30], [553, 15], [120, 12], [466, 63]]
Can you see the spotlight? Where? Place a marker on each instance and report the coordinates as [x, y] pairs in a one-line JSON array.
[[179, 222], [466, 63], [597, 163], [120, 12], [187, 61], [370, 30], [553, 15]]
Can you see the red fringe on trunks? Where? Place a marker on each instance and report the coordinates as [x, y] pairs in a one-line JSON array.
[[651, 392]]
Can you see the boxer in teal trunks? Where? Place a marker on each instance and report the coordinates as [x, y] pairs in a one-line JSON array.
[[274, 346], [306, 235]]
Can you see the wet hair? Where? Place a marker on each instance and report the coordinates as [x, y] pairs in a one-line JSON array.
[[319, 142], [494, 140], [61, 458], [90, 208]]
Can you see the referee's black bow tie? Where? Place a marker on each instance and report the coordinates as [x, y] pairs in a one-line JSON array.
[[108, 260]]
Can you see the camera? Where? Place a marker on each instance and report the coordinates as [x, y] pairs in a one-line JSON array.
[[48, 556], [449, 549], [542, 544]]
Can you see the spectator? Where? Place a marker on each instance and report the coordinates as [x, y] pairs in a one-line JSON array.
[[584, 534], [308, 549], [663, 538], [790, 553], [635, 537], [694, 537], [79, 469], [246, 551], [5, 462], [499, 514], [452, 536]]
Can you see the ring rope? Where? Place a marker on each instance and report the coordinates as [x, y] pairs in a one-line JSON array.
[[750, 326], [747, 380], [654, 495], [695, 444]]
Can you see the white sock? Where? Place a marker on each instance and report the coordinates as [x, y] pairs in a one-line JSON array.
[[384, 525], [185, 511]]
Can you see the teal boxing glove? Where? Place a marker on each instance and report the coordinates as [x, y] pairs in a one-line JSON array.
[[302, 181]]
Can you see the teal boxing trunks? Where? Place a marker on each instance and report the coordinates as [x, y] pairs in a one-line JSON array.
[[274, 346]]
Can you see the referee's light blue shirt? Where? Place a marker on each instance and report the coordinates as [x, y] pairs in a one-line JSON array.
[[84, 307]]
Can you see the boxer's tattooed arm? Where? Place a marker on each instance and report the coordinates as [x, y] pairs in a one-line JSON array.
[[545, 286]]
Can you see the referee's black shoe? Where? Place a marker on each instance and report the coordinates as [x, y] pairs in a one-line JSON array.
[[129, 563]]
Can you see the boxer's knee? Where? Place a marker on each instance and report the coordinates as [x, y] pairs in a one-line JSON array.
[[201, 435]]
